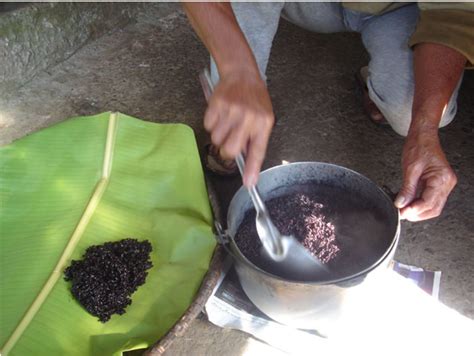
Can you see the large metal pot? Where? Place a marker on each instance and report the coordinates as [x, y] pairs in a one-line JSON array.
[[367, 229]]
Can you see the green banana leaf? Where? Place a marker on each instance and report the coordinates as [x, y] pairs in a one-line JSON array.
[[84, 182]]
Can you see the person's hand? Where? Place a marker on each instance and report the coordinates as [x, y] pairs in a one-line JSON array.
[[427, 178], [240, 118]]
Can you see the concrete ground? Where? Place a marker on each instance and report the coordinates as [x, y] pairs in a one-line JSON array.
[[149, 70]]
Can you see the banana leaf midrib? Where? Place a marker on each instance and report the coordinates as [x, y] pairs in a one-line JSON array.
[[84, 220]]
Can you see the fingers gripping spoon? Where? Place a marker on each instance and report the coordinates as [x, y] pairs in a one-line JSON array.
[[292, 258]]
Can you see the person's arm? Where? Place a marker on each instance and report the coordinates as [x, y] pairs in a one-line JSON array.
[[437, 70], [239, 115]]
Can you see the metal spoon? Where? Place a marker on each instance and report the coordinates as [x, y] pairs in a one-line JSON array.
[[291, 257]]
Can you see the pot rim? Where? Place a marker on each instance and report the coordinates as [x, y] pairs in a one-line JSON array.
[[393, 245]]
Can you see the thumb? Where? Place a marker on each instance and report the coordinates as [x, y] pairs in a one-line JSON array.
[[408, 191]]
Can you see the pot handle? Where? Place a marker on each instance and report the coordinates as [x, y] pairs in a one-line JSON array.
[[223, 239], [221, 236]]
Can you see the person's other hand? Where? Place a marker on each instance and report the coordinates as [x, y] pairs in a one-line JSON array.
[[428, 179], [240, 119]]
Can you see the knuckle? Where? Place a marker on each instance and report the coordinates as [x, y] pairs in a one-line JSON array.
[[452, 178], [413, 167], [268, 126], [266, 130], [447, 178], [439, 181], [270, 118]]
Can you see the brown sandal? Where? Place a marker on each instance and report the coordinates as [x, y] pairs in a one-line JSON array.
[[372, 111], [214, 163]]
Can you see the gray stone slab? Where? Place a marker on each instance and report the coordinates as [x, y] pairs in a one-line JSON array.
[[37, 36]]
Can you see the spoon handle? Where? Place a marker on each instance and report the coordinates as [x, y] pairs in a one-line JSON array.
[[253, 192], [271, 237]]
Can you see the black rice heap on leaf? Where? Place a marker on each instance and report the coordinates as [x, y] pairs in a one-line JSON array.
[[108, 274]]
